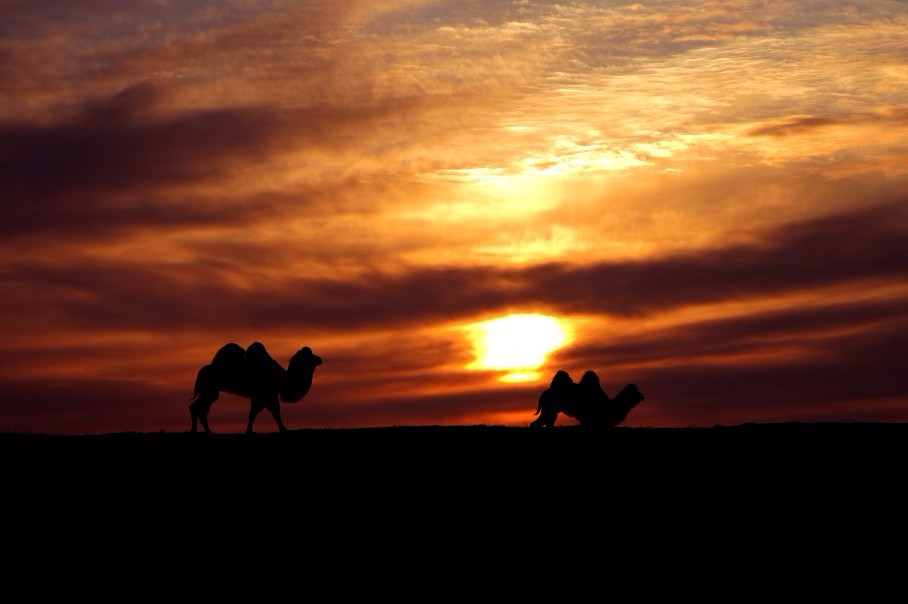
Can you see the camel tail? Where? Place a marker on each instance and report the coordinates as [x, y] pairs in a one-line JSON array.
[[198, 379]]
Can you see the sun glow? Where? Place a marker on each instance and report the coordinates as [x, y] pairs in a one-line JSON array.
[[517, 344]]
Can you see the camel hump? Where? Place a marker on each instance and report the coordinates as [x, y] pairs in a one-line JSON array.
[[590, 388], [562, 382], [229, 356], [257, 351], [258, 359]]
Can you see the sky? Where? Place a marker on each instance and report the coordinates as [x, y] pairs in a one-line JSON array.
[[708, 199]]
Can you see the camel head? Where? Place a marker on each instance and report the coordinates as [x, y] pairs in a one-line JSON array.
[[299, 375], [304, 357], [630, 397]]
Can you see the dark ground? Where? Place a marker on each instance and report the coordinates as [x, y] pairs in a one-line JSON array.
[[788, 511]]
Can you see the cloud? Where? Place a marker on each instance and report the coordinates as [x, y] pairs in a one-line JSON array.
[[117, 144], [125, 161], [862, 246], [806, 124], [850, 247], [844, 378], [784, 333]]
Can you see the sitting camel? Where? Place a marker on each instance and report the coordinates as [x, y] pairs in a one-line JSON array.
[[252, 374], [585, 401]]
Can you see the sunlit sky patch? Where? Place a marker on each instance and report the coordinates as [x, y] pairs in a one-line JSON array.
[[518, 343]]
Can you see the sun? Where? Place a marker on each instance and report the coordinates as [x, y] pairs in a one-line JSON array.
[[517, 344]]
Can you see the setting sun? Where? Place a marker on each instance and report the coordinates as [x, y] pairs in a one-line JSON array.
[[517, 343]]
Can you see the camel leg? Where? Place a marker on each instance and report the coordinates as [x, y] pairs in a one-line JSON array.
[[546, 418], [199, 409], [254, 410], [195, 418], [274, 407]]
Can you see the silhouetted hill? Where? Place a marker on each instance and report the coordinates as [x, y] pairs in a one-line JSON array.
[[380, 510]]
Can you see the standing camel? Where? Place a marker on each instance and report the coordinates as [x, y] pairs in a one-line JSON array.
[[252, 374]]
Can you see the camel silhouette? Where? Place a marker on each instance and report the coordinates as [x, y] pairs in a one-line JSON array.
[[252, 374], [585, 401]]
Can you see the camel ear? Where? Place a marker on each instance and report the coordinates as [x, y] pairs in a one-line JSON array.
[[306, 352]]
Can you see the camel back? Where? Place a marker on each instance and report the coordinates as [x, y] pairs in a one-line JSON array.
[[230, 357], [237, 367]]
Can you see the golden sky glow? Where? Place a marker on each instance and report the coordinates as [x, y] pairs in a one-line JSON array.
[[518, 344], [711, 195]]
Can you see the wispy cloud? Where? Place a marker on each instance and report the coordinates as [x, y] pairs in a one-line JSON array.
[[801, 125]]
